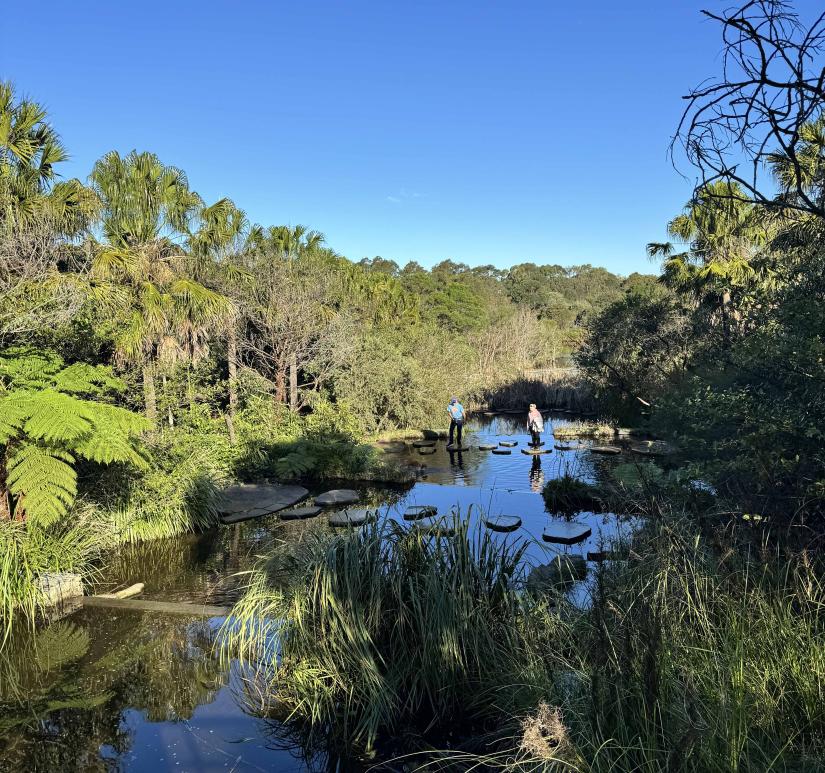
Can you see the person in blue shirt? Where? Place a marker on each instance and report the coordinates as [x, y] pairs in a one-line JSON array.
[[456, 411]]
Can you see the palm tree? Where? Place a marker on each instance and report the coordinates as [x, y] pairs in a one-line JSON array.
[[30, 149], [146, 207], [288, 241], [722, 233]]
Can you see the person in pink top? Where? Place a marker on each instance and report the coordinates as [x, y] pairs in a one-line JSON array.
[[535, 425]]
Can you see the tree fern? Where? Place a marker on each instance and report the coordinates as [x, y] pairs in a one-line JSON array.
[[48, 421]]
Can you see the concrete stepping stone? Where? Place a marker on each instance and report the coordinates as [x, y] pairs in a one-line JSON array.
[[486, 447], [436, 527], [508, 443], [566, 532], [567, 447], [245, 501], [338, 496], [562, 570], [351, 518], [417, 512], [600, 555], [502, 451], [299, 513], [423, 443], [535, 451], [393, 448], [457, 448], [426, 450], [606, 450], [502, 522]]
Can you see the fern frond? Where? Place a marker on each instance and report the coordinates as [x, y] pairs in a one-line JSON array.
[[44, 482], [57, 417]]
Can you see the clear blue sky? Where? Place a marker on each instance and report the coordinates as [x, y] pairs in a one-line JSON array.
[[482, 132]]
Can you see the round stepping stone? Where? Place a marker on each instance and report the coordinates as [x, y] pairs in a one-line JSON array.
[[245, 501], [417, 512], [508, 443], [426, 450], [535, 451], [502, 451], [458, 448], [600, 555], [436, 527], [606, 450], [298, 513], [486, 447], [338, 496], [566, 533], [567, 446], [349, 518], [394, 448], [502, 522], [423, 443]]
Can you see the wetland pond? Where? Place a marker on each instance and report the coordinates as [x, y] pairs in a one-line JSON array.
[[121, 690]]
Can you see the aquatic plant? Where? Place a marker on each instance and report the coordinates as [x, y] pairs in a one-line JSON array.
[[384, 629]]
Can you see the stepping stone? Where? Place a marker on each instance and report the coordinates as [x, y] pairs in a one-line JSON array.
[[240, 503], [457, 448], [600, 555], [502, 451], [417, 512], [606, 450], [426, 450], [299, 513], [486, 447], [350, 518], [393, 448], [436, 527], [566, 533], [508, 443], [562, 570], [502, 522], [567, 446], [338, 496], [535, 451], [423, 443]]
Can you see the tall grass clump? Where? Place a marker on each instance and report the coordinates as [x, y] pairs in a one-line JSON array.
[[385, 629], [27, 553], [687, 660]]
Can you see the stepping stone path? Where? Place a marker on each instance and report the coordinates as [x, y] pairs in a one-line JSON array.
[[606, 450], [240, 503], [338, 496], [566, 533], [417, 512], [486, 447], [502, 451], [458, 448], [508, 443], [436, 527], [502, 522], [426, 450], [423, 443], [535, 451], [299, 513], [350, 518]]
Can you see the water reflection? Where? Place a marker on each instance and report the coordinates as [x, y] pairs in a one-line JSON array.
[[536, 475]]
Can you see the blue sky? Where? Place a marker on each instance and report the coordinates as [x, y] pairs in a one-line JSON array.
[[482, 132]]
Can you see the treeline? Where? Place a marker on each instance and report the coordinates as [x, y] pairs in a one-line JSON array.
[[725, 352]]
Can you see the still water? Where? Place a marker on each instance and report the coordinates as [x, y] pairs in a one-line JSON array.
[[120, 690]]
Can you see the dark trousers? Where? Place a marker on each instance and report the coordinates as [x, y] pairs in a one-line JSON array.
[[455, 426], [536, 438]]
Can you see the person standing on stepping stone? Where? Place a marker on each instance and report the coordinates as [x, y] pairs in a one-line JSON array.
[[535, 424], [456, 411]]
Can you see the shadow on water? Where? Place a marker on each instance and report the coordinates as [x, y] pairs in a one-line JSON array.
[[116, 690]]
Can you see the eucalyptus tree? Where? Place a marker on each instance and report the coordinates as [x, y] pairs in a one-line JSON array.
[[147, 208]]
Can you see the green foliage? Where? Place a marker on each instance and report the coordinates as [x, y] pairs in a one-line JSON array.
[[47, 423], [568, 495], [415, 631]]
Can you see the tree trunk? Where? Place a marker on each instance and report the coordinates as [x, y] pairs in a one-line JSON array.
[[150, 397], [169, 417], [5, 494], [280, 386], [293, 382], [232, 383]]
